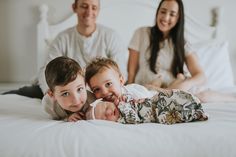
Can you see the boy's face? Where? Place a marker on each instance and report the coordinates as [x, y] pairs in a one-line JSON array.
[[106, 111], [87, 12], [72, 96], [107, 84]]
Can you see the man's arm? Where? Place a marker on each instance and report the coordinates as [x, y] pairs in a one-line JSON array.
[[56, 49], [119, 53]]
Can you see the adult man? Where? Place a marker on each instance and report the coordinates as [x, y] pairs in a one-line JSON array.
[[82, 42]]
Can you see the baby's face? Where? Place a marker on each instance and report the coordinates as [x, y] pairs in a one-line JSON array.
[[106, 111]]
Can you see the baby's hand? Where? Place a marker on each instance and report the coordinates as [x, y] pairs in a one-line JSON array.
[[75, 117], [123, 99]]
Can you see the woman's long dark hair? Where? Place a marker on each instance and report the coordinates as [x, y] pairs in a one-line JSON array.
[[177, 36]]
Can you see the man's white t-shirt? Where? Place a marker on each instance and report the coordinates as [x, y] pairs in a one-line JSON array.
[[104, 42]]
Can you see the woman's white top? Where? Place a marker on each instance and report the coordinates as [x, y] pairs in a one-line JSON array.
[[140, 42]]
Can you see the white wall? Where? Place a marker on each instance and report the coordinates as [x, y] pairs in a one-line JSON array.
[[199, 8], [18, 35], [20, 17]]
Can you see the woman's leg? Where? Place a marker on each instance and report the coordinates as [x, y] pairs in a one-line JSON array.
[[214, 96]]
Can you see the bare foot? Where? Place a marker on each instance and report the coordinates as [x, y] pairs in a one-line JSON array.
[[214, 96], [152, 87], [157, 82], [155, 88]]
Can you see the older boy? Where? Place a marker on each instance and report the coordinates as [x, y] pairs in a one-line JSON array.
[[67, 97]]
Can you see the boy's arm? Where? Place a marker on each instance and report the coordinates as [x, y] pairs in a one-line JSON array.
[[53, 109], [118, 52]]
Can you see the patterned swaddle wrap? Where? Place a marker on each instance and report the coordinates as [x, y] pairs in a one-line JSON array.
[[174, 106]]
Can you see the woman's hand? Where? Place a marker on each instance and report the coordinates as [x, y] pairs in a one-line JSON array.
[[154, 84], [181, 83]]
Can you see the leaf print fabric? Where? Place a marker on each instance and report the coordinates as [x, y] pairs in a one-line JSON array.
[[170, 107]]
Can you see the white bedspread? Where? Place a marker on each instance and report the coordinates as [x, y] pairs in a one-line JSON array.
[[27, 131]]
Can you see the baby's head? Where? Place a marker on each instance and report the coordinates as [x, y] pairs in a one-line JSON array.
[[103, 110], [104, 79], [65, 79]]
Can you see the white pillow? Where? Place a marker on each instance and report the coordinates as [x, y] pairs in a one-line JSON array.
[[214, 59]]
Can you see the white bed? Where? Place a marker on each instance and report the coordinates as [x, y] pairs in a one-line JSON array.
[[27, 131]]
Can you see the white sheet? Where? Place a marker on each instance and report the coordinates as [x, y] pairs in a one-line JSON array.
[[27, 131]]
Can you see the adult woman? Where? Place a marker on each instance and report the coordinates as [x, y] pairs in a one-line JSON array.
[[163, 54]]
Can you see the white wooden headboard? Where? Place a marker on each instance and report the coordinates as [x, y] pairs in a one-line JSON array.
[[124, 16]]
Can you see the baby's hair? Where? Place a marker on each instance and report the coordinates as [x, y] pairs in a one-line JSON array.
[[61, 71], [98, 65]]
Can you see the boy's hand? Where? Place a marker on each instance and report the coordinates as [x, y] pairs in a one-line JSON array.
[[75, 117], [119, 100]]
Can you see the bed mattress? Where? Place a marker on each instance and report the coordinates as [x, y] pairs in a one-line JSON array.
[[27, 131]]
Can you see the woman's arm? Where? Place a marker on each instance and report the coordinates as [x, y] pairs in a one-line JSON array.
[[133, 65], [197, 75]]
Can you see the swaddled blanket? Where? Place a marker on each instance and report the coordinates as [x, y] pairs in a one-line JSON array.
[[173, 106]]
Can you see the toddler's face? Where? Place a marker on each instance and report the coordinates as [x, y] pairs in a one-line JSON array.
[[107, 84], [72, 96], [106, 111]]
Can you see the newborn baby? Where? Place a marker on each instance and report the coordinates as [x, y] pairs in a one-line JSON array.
[[174, 106]]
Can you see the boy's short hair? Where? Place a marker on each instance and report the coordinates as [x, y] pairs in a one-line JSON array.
[[61, 71], [99, 64]]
